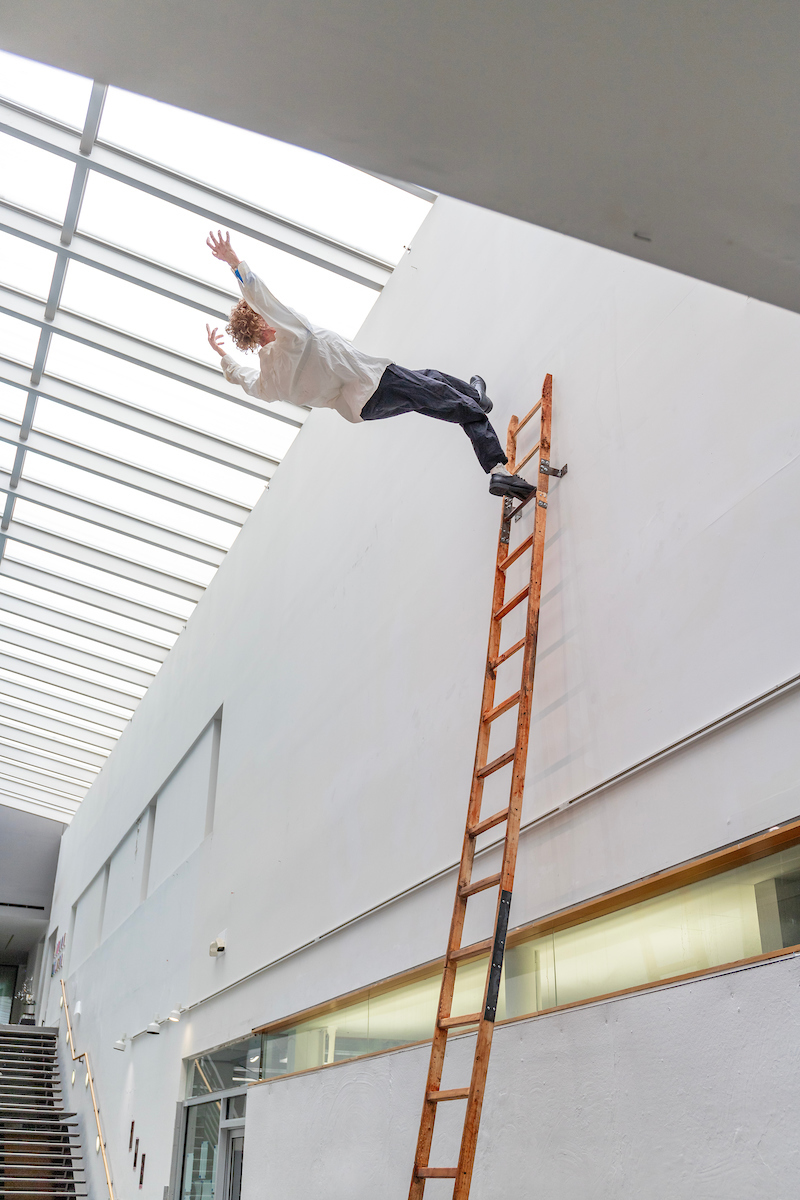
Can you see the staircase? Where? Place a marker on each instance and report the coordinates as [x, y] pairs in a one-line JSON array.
[[38, 1148]]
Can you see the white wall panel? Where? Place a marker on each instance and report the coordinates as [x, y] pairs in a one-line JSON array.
[[125, 876], [88, 922], [181, 811]]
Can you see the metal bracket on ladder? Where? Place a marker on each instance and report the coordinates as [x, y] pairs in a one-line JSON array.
[[446, 1021]]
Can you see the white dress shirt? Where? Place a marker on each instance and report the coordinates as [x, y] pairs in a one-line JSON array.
[[305, 364]]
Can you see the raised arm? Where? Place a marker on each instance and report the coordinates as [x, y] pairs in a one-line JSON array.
[[255, 291]]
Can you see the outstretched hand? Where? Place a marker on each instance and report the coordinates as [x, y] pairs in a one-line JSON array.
[[215, 341], [221, 248]]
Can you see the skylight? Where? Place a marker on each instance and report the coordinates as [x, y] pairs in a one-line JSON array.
[[127, 463]]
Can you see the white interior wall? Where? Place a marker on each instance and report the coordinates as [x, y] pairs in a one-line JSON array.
[[345, 634]]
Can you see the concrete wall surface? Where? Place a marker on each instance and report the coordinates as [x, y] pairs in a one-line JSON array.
[[344, 636], [685, 1093]]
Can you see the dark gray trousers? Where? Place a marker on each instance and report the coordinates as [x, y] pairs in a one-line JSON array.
[[434, 394]]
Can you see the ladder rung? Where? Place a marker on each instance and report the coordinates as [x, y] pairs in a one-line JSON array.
[[455, 1022], [518, 466], [450, 1094], [471, 950], [469, 889], [512, 516], [532, 413], [494, 663], [436, 1172], [495, 764], [506, 609], [498, 711], [488, 823], [515, 554]]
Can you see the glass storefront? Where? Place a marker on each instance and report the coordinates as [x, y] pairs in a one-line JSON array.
[[220, 1070], [201, 1151]]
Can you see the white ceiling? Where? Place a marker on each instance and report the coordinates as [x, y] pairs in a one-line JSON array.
[[677, 121]]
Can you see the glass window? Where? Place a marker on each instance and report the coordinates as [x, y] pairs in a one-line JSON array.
[[147, 452], [309, 188], [156, 393], [8, 982], [201, 1151], [119, 544], [157, 230], [26, 267], [12, 402], [18, 340], [34, 178], [121, 498], [229, 1067], [235, 1107], [44, 89], [752, 910], [92, 577]]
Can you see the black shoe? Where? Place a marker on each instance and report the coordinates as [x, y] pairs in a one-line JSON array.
[[513, 486], [480, 387]]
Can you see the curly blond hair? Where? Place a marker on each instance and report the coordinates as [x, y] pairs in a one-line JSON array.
[[245, 326]]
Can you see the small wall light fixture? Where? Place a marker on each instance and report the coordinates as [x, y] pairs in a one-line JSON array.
[[121, 1043], [175, 1015], [217, 947], [153, 1027]]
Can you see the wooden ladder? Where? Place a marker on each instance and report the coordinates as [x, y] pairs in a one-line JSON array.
[[476, 824]]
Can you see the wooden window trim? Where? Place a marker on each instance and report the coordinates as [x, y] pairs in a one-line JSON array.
[[694, 870]]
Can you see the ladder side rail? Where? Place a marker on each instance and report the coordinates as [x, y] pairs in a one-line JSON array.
[[483, 1045], [439, 1046]]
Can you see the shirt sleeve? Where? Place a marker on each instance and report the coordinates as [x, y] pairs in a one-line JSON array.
[[248, 378], [262, 301]]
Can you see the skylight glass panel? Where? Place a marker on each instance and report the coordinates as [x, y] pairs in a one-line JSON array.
[[147, 452], [136, 310], [7, 456], [18, 340], [17, 721], [157, 230], [70, 669], [12, 401], [25, 267], [48, 90], [16, 621], [56, 564], [34, 179], [86, 612], [86, 534], [308, 188], [118, 711], [156, 393]]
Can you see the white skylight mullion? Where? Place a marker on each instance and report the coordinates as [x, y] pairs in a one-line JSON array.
[[75, 681], [81, 717], [114, 521], [16, 712], [42, 612], [226, 452], [50, 750], [47, 767], [19, 533], [38, 791], [44, 801], [61, 652], [139, 478], [141, 353], [215, 207], [97, 597], [67, 689], [25, 772], [45, 234]]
